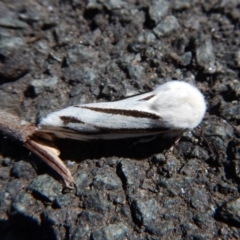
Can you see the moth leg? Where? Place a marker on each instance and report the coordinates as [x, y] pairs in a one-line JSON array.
[[145, 139], [142, 140], [170, 150]]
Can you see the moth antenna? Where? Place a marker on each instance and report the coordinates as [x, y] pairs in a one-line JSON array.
[[201, 136], [234, 127]]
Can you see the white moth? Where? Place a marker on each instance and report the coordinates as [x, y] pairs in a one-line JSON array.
[[173, 107]]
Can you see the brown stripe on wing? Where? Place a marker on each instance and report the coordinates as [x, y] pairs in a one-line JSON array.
[[124, 112], [67, 119], [147, 98]]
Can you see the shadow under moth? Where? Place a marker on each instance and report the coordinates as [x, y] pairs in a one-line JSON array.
[[172, 108]]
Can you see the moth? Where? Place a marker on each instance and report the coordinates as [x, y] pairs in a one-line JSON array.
[[172, 108], [175, 106]]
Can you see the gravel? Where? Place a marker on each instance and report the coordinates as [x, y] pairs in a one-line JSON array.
[[45, 187], [166, 27], [231, 211], [111, 232], [41, 85], [55, 54]]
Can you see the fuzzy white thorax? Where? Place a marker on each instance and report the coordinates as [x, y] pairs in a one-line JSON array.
[[180, 104]]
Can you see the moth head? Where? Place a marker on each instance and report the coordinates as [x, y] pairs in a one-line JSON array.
[[180, 104]]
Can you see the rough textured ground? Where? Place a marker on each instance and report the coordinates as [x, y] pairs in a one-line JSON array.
[[58, 53]]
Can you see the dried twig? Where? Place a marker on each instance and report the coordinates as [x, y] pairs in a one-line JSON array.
[[24, 132]]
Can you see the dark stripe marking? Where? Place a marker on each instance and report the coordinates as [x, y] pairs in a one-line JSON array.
[[130, 113], [67, 119], [147, 98], [102, 131]]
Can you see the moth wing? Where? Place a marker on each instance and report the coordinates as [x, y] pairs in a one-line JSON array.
[[131, 117]]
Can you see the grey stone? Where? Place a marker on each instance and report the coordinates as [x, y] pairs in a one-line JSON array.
[[15, 65], [42, 47], [92, 4], [94, 219], [111, 90], [236, 168], [176, 186], [79, 232], [226, 189], [171, 215], [159, 158], [186, 58], [113, 4], [137, 47], [131, 16], [96, 201], [146, 38], [184, 147], [23, 204], [200, 236], [231, 211], [82, 181], [145, 212], [111, 232], [32, 13], [60, 217], [163, 229], [61, 33], [63, 201], [205, 57], [4, 198], [6, 161], [117, 198], [220, 129], [4, 173], [112, 67], [189, 227], [130, 172], [199, 152], [135, 71], [76, 90], [84, 75], [235, 88], [220, 5], [170, 202], [158, 9], [205, 220], [9, 44], [181, 4], [46, 84], [10, 22], [237, 58], [45, 187], [171, 166], [14, 186], [231, 111], [191, 167], [24, 170], [166, 27], [199, 199], [79, 54], [107, 180], [50, 21]]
